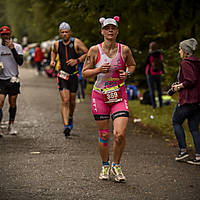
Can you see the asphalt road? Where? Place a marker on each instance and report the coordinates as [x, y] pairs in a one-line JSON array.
[[41, 164]]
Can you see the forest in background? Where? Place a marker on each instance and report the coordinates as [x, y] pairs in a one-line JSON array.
[[141, 21]]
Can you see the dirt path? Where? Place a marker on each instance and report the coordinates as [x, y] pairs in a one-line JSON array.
[[41, 164]]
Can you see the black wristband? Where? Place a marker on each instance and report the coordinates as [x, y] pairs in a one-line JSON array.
[[78, 61]]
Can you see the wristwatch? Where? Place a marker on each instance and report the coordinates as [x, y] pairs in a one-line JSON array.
[[128, 73]]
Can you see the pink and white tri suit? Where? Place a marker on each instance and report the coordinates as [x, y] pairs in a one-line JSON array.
[[109, 81]]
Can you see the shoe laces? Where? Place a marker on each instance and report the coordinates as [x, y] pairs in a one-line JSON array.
[[182, 152], [105, 169], [118, 170], [13, 130], [11, 127]]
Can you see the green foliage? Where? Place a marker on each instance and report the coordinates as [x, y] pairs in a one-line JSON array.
[[3, 19], [141, 21], [172, 63], [17, 17]]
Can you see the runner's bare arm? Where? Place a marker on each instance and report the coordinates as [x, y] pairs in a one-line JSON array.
[[81, 48], [90, 61], [129, 61], [54, 54], [128, 58]]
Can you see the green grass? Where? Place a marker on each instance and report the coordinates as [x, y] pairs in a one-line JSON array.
[[161, 121]]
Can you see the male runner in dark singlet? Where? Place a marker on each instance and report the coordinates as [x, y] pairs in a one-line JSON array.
[[68, 49]]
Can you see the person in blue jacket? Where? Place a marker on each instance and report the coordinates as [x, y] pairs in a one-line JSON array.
[[81, 84]]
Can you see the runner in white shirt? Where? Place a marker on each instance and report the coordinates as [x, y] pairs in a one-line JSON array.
[[11, 55]]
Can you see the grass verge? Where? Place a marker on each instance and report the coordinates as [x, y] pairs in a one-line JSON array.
[[158, 119]]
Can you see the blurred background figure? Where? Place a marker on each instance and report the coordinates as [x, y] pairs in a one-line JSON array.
[[81, 84], [154, 70], [32, 53], [38, 58], [49, 71], [47, 57]]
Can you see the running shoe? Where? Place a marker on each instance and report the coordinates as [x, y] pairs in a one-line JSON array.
[[1, 133], [67, 131], [117, 172], [105, 172], [70, 123], [82, 100], [78, 101], [3, 125], [12, 130], [181, 155], [194, 161]]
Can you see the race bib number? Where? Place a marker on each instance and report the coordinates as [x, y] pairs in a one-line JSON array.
[[63, 75], [112, 96]]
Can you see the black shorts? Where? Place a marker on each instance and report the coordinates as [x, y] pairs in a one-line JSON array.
[[6, 87], [71, 84]]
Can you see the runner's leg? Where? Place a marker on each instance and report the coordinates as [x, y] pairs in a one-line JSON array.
[[104, 149], [72, 103], [12, 113], [2, 99], [13, 108], [65, 98], [119, 125]]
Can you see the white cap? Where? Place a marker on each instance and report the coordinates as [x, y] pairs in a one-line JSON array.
[[104, 22], [64, 25]]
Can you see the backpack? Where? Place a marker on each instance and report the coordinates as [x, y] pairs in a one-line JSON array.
[[132, 92], [146, 98], [157, 64]]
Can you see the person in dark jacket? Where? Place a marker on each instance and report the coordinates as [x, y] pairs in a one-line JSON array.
[[154, 78], [188, 106]]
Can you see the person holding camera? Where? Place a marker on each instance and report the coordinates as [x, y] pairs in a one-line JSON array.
[[11, 55], [188, 106]]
